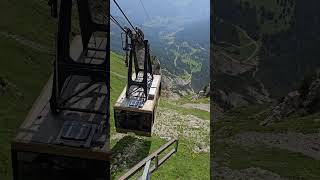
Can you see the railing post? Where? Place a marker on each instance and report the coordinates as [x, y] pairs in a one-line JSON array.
[[176, 149], [157, 161], [147, 161]]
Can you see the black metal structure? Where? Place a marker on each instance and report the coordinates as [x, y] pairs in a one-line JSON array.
[[143, 75], [65, 67]]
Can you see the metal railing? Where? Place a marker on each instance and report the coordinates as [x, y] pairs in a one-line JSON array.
[[146, 162]]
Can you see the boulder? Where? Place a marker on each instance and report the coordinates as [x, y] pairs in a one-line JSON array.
[[156, 68], [293, 102]]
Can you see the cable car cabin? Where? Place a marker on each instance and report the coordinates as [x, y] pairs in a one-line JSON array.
[[136, 113]]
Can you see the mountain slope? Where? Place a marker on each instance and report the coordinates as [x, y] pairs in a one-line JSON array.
[[261, 52], [27, 45], [271, 40]]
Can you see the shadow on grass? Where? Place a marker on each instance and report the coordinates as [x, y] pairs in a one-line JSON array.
[[128, 152]]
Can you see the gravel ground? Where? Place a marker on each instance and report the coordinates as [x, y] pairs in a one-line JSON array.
[[204, 107], [171, 124]]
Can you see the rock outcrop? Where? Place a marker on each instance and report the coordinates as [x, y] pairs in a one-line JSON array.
[[312, 101], [294, 102], [174, 86]]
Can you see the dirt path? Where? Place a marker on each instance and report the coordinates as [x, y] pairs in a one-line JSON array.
[[307, 144], [204, 107], [26, 42], [252, 40], [118, 75]]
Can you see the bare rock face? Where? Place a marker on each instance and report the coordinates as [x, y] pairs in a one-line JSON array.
[[228, 100], [205, 92], [156, 68], [290, 104], [293, 102], [174, 85]]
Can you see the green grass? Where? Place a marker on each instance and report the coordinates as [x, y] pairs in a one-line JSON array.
[[26, 71], [30, 19], [183, 165], [243, 119], [287, 164], [185, 111], [117, 65], [283, 162], [188, 59]]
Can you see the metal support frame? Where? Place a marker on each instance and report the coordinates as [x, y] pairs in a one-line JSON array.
[[147, 69], [65, 67], [103, 170], [146, 162]]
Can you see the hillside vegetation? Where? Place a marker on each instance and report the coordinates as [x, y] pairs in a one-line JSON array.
[[27, 48]]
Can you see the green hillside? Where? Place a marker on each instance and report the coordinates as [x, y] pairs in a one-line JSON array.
[[269, 150], [26, 45], [26, 41], [263, 49]]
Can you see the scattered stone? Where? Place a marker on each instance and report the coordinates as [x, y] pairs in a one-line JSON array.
[[171, 124]]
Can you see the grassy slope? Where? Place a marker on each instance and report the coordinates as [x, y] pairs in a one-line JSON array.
[[285, 163], [27, 70]]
